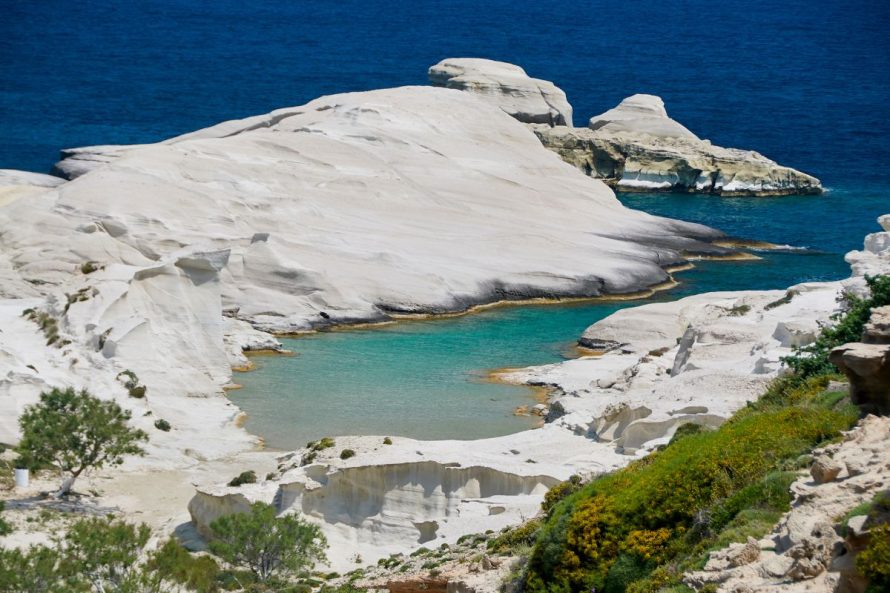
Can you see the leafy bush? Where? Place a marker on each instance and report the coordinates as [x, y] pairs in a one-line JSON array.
[[248, 477], [387, 441], [347, 453], [138, 391], [173, 562], [687, 429], [623, 572], [321, 444], [267, 545], [102, 554], [74, 431], [874, 562], [560, 491], [514, 538], [163, 425], [89, 267]]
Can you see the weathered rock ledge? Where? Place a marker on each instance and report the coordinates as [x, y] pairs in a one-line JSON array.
[[637, 147]]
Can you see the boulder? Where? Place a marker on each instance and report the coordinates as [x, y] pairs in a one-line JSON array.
[[637, 147], [506, 86], [867, 366], [734, 555], [877, 330], [825, 469]]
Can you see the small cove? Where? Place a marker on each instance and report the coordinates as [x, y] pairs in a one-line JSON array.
[[427, 378]]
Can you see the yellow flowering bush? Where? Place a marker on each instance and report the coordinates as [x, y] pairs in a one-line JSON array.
[[647, 544]]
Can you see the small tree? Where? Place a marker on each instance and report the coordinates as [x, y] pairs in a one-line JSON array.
[[104, 552], [265, 544], [75, 431], [105, 555]]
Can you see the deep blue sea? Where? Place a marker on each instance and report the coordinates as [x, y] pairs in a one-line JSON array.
[[805, 82]]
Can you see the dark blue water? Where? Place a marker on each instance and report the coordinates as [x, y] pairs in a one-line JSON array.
[[805, 82]]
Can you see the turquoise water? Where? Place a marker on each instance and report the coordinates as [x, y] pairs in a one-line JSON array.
[[425, 379]]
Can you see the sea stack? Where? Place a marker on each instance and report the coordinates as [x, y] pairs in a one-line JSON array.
[[637, 147]]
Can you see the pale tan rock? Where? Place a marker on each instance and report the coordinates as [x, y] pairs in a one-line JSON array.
[[825, 469], [637, 147]]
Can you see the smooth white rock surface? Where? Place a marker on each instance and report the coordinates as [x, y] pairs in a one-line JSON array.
[[507, 86], [640, 114]]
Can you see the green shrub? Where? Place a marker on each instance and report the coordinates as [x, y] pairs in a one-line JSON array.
[[874, 562], [625, 570], [321, 444], [163, 425], [138, 392], [89, 267], [347, 453], [517, 537], [266, 545], [560, 491], [173, 562], [248, 477], [387, 441]]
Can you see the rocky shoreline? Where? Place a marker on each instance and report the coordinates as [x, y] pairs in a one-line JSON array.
[[169, 261]]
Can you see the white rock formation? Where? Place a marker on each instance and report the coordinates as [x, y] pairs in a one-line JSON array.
[[394, 498], [358, 206], [637, 147], [507, 86], [697, 360], [161, 321], [663, 357], [640, 114]]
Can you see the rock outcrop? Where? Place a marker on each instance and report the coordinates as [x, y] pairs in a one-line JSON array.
[[640, 114], [637, 147], [506, 86], [807, 550], [867, 363], [75, 162], [357, 207]]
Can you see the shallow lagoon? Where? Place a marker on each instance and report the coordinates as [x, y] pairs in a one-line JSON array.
[[427, 379]]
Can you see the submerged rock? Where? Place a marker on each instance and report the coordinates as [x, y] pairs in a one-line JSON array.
[[507, 86], [637, 147]]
